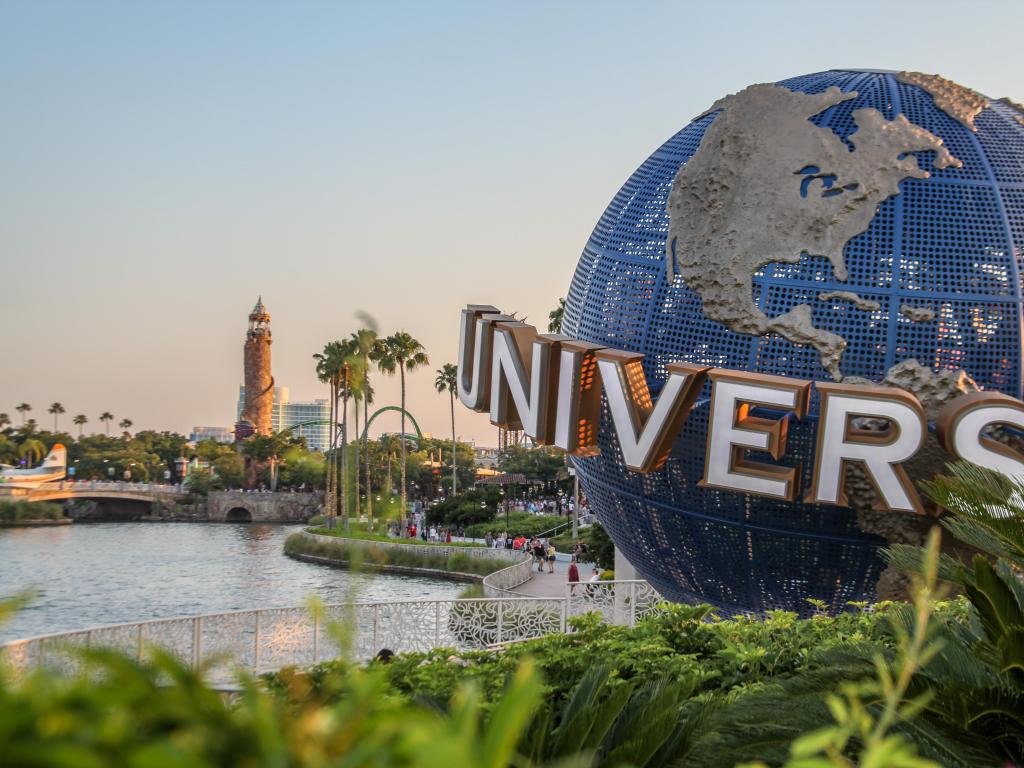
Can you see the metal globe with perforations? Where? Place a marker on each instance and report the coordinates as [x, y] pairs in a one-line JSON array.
[[931, 286]]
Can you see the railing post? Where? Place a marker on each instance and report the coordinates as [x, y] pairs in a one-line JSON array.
[[437, 623], [197, 634], [563, 624], [316, 638], [501, 605], [376, 629], [138, 644], [632, 603], [256, 649]]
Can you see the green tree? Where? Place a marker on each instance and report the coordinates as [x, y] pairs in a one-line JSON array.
[[555, 317], [5, 421], [80, 421], [8, 450], [23, 408], [106, 417], [447, 381], [335, 368], [365, 340], [31, 450], [400, 352], [56, 409], [230, 468], [125, 425]]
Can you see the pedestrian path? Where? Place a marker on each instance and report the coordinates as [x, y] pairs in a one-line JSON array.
[[551, 584]]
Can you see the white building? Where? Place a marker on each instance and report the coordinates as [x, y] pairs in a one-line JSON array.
[[288, 414], [220, 434]]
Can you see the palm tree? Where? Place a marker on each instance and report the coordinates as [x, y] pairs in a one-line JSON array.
[[555, 317], [107, 417], [125, 425], [8, 450], [56, 409], [5, 420], [31, 450], [80, 421], [366, 340], [400, 352], [23, 409], [336, 365], [446, 381]]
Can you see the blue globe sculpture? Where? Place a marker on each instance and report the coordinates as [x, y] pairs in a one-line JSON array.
[[924, 290]]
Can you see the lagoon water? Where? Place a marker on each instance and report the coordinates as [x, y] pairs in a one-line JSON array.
[[90, 574]]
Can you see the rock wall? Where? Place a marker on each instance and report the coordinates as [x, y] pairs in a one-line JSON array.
[[219, 507]]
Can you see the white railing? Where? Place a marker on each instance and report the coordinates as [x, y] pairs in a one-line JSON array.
[[103, 485], [269, 639], [619, 602]]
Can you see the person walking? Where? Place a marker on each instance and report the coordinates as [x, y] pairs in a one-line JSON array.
[[551, 556], [538, 555], [574, 575]]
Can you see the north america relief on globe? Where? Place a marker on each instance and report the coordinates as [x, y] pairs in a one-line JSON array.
[[767, 185]]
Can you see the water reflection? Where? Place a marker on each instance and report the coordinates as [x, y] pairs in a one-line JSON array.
[[105, 573]]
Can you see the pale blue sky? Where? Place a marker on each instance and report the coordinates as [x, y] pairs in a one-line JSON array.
[[161, 164]]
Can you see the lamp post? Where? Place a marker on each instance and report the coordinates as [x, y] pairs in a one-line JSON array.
[[576, 502]]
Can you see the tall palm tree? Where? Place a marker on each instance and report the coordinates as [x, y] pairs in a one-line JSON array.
[[328, 363], [366, 340], [80, 421], [400, 352], [447, 376], [337, 365], [107, 417], [31, 450], [125, 425], [56, 409], [5, 420], [23, 409]]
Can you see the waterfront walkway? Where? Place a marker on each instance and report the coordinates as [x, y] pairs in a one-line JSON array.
[[551, 584]]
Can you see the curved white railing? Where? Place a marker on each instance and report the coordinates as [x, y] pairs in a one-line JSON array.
[[271, 638]]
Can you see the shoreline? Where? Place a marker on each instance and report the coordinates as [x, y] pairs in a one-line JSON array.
[[39, 523]]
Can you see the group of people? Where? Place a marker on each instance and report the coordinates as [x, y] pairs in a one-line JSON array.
[[432, 533]]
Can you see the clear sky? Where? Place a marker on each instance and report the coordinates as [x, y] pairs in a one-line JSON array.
[[162, 163]]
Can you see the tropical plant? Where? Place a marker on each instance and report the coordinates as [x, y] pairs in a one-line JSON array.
[[400, 352], [56, 409], [106, 417], [8, 449], [31, 450], [365, 340], [5, 420], [125, 425], [447, 381], [80, 421], [555, 317], [23, 408], [339, 366]]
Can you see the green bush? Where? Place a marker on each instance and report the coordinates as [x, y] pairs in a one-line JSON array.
[[21, 510], [518, 522], [336, 549]]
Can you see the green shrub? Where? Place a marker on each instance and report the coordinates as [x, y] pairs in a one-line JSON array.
[[518, 522], [335, 549], [21, 510]]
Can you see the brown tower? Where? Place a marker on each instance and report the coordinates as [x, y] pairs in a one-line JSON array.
[[259, 382]]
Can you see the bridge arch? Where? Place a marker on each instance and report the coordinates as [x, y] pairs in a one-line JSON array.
[[238, 515]]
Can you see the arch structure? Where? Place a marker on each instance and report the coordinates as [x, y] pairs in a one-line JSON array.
[[379, 411]]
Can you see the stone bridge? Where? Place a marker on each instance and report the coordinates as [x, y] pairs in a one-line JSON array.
[[256, 507], [63, 490], [150, 501]]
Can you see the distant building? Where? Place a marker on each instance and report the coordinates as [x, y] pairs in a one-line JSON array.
[[285, 414], [486, 458], [220, 434]]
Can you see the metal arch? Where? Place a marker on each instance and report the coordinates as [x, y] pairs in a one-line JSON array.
[[400, 409]]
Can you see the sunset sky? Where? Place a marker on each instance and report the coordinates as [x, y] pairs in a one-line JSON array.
[[163, 163]]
